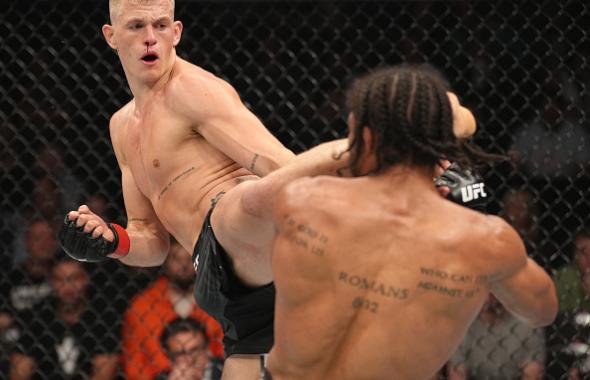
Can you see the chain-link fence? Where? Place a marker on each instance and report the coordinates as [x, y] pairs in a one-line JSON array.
[[520, 66]]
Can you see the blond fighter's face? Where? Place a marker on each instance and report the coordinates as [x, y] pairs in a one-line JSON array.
[[145, 36]]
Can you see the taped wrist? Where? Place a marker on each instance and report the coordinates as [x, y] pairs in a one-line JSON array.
[[121, 244]]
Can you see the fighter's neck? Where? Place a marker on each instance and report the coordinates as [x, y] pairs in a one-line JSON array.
[[403, 175], [144, 91]]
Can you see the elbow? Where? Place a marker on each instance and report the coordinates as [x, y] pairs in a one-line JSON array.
[[542, 321], [265, 165], [158, 260], [164, 247], [548, 308]]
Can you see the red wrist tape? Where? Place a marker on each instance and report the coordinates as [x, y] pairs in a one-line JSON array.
[[123, 242]]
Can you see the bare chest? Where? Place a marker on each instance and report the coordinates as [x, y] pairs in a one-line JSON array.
[[154, 147]]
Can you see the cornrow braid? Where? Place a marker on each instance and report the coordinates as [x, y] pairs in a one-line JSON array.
[[400, 109], [408, 111], [359, 99], [383, 118]]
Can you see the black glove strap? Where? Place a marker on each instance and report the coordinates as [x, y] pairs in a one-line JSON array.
[[466, 188], [82, 246]]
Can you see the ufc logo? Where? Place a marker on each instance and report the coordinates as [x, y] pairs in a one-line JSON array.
[[471, 192]]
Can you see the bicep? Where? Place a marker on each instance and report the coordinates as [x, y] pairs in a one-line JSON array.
[[219, 115], [529, 294], [137, 205], [241, 136], [522, 282], [521, 285], [141, 216]]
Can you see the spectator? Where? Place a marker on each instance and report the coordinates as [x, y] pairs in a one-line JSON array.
[[27, 285], [572, 281], [569, 341], [100, 205], [553, 145], [45, 204], [50, 163], [521, 211], [65, 338], [185, 343], [499, 346], [168, 298]]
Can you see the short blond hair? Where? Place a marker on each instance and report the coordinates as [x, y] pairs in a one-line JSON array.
[[115, 6]]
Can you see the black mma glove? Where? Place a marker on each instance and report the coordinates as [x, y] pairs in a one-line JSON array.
[[83, 247], [466, 188]]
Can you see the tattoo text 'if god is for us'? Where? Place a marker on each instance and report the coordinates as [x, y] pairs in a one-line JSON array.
[[306, 237]]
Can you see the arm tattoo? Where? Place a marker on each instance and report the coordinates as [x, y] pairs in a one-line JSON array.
[[140, 220], [337, 156], [253, 163]]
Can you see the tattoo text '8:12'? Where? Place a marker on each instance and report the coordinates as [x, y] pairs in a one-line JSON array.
[[365, 304]]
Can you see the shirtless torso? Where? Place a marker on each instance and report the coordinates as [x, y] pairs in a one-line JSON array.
[[171, 168], [378, 276], [383, 280], [184, 139]]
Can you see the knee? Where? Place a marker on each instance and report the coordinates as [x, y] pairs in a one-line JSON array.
[[256, 198]]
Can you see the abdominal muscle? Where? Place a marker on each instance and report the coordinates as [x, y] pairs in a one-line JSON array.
[[182, 207]]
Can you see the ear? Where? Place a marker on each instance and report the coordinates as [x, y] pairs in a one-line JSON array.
[[464, 124], [367, 140], [108, 32], [177, 32]]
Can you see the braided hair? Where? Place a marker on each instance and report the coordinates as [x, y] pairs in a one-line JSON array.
[[407, 109]]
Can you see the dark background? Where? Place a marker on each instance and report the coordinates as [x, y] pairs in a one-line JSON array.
[[513, 63]]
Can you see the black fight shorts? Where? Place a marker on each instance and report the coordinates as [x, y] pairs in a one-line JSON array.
[[246, 314]]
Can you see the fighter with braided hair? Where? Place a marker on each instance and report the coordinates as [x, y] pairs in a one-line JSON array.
[[191, 154], [377, 276]]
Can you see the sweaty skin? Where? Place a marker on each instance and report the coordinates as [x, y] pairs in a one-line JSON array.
[[184, 138], [379, 277], [169, 166]]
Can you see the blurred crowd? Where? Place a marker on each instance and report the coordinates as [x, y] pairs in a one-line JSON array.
[[525, 81], [61, 318]]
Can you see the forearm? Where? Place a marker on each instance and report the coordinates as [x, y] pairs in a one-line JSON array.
[[262, 165], [147, 248], [531, 297], [325, 159]]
